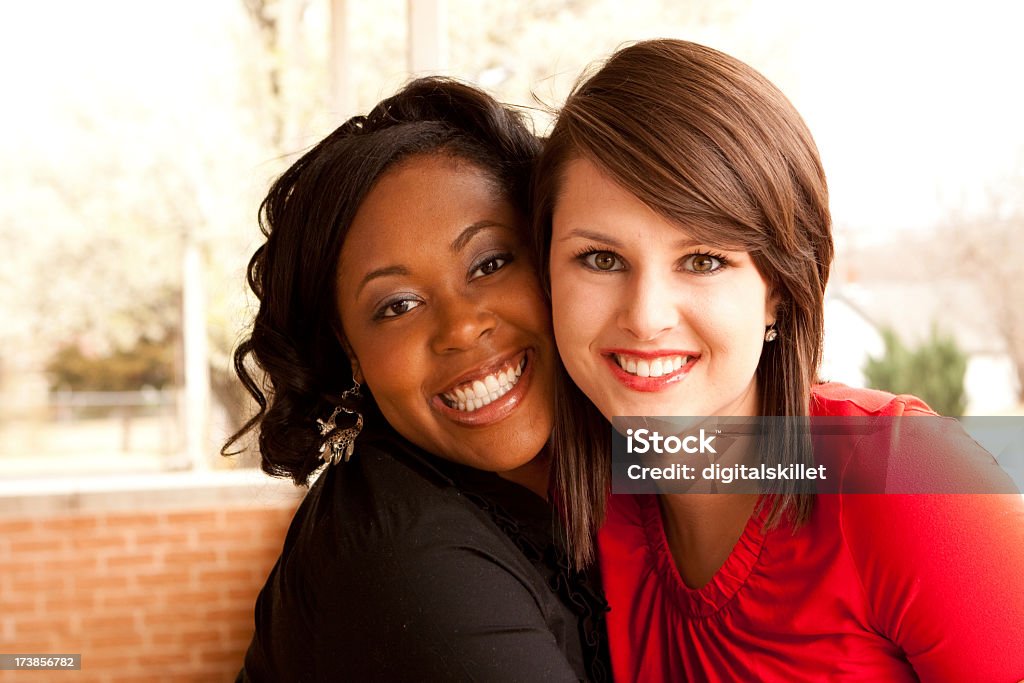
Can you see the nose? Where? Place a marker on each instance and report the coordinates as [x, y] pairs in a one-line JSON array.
[[649, 307], [462, 322]]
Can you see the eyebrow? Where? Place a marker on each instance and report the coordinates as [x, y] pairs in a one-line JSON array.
[[683, 243], [380, 272], [458, 244]]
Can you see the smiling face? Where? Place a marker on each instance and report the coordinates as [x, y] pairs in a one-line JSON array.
[[444, 317], [648, 321]]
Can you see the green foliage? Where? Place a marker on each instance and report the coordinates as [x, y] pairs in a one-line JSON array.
[[147, 364], [933, 372]]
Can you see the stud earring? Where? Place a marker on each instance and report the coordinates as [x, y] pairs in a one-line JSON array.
[[339, 446], [771, 334]]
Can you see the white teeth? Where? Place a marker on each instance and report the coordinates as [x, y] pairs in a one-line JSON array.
[[654, 368], [481, 392]]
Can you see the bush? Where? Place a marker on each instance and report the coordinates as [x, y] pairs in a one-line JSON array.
[[933, 372], [147, 364]]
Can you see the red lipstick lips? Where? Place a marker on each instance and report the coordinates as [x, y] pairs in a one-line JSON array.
[[650, 362]]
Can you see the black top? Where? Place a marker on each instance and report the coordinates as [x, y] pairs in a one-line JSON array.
[[401, 566]]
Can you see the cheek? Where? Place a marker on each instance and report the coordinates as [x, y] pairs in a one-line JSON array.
[[391, 383], [572, 314], [733, 328], [525, 303]]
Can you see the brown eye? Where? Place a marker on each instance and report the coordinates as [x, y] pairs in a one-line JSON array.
[[490, 265], [703, 263], [602, 260], [397, 308]]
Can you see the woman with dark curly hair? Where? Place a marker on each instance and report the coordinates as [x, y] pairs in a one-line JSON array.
[[402, 338]]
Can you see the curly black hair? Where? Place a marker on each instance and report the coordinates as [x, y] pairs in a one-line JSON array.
[[296, 338]]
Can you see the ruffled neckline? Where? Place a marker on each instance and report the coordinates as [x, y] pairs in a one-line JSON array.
[[727, 581]]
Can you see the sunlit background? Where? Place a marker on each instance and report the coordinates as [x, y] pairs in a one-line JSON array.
[[136, 140]]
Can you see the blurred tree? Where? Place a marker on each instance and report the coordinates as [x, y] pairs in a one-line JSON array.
[[120, 166], [149, 363], [987, 249], [933, 372], [102, 194], [532, 52]]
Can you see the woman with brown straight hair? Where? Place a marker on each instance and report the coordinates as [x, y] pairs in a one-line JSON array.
[[681, 213]]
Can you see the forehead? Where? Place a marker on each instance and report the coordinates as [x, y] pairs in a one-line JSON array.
[[590, 200], [422, 200], [591, 195]]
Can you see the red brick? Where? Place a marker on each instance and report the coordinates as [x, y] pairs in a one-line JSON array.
[[33, 676], [230, 537], [39, 545], [39, 583], [71, 563], [193, 518], [176, 589], [76, 524], [159, 661], [115, 641], [13, 527], [132, 520], [220, 656], [199, 636], [190, 557], [86, 583], [161, 538], [106, 600], [260, 555], [32, 643], [187, 598], [109, 622], [243, 575], [21, 606], [14, 566], [41, 624], [131, 560], [161, 579], [97, 542], [62, 604], [108, 662], [230, 615]]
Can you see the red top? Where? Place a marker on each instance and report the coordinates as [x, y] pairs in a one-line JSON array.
[[871, 588]]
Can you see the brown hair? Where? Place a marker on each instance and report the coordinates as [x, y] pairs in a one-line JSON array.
[[709, 143]]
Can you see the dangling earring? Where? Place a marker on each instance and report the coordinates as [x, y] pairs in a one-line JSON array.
[[340, 445], [771, 334]]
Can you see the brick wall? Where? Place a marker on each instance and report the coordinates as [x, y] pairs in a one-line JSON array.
[[143, 595]]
